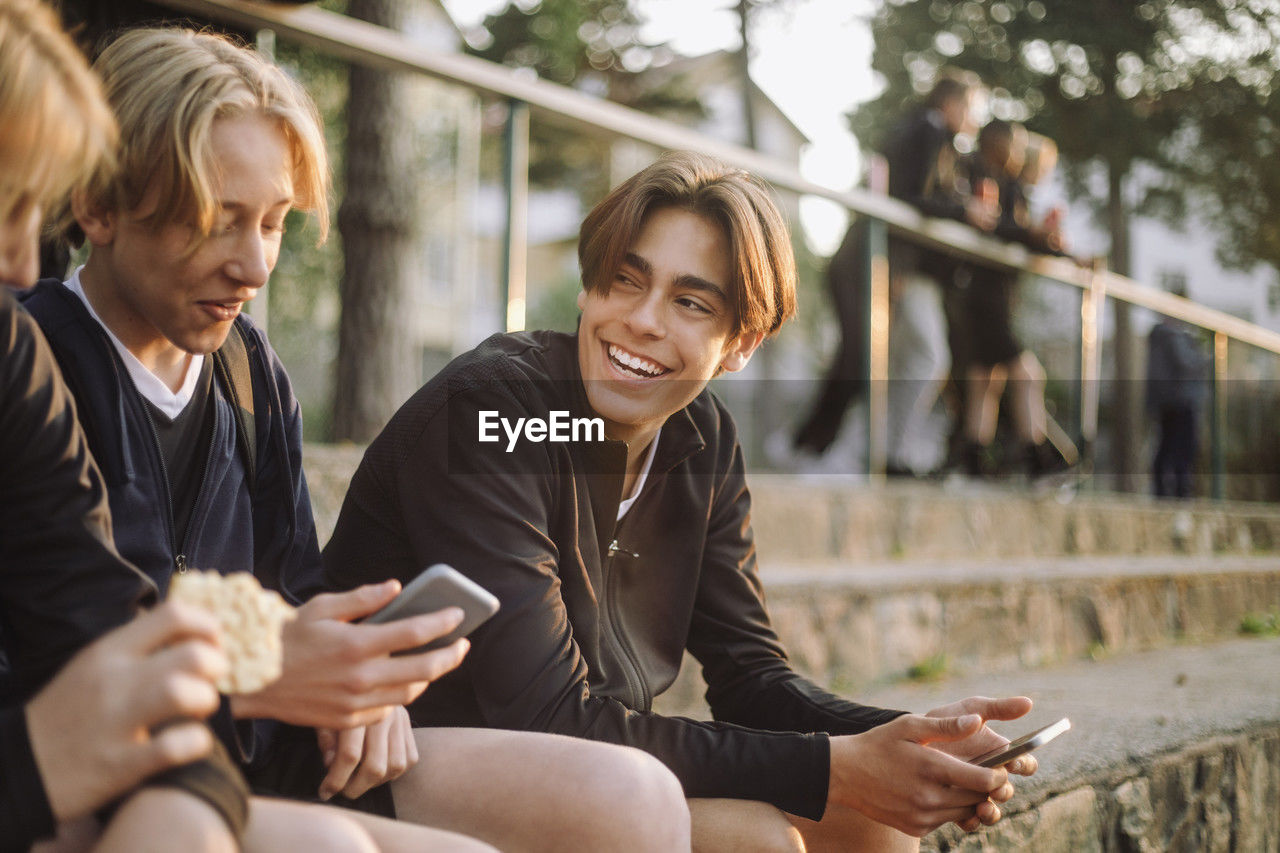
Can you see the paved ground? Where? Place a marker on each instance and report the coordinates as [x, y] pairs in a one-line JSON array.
[[1128, 709]]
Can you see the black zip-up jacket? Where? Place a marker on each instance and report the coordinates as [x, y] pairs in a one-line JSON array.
[[62, 583], [595, 614]]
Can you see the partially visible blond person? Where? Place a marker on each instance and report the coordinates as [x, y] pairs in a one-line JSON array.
[[92, 733]]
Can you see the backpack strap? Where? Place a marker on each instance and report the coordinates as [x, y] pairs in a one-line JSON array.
[[231, 361]]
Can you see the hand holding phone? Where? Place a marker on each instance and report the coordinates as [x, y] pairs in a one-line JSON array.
[[436, 588], [1003, 755]]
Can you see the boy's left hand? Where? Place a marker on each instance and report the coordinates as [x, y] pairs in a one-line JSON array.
[[365, 757], [1009, 708]]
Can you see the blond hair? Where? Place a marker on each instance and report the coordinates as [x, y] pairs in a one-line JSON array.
[[55, 127], [763, 289], [1041, 159], [167, 87]]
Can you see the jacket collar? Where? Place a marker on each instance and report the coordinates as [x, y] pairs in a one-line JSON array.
[[606, 462], [76, 336]]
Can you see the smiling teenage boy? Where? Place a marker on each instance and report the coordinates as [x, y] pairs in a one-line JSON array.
[[217, 146], [613, 557]]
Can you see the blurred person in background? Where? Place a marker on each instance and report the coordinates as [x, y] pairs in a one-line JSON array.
[[926, 171], [1014, 161], [1177, 370]]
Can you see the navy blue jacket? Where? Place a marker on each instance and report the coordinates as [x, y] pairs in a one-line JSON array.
[[270, 532]]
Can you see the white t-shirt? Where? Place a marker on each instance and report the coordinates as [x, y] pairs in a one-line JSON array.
[[644, 475], [148, 384]]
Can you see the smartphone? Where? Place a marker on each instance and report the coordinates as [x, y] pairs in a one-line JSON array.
[[1011, 750], [439, 587]]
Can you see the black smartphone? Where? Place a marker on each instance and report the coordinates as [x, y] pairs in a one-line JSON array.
[[1003, 755], [436, 588]]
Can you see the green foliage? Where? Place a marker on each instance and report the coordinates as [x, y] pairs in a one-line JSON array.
[[1182, 85], [592, 45], [1261, 624], [932, 668], [303, 293], [557, 308], [564, 40]]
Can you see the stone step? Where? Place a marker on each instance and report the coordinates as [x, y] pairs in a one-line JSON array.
[[821, 519], [854, 627], [1176, 749], [833, 518]]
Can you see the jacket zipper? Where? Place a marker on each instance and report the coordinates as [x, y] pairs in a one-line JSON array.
[[631, 664], [180, 557]]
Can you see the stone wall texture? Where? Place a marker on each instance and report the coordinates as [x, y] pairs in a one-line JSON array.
[[1215, 797]]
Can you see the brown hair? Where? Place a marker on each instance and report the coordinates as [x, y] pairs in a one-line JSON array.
[[57, 128], [763, 288], [951, 84], [167, 87]]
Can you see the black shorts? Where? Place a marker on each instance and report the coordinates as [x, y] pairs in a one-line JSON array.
[[293, 768], [989, 320], [215, 779]]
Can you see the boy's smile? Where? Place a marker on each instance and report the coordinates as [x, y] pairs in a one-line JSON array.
[[652, 338]]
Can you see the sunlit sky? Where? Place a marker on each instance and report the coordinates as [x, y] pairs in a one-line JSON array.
[[812, 57]]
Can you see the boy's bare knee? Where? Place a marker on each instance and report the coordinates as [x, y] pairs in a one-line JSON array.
[[284, 825], [722, 826], [163, 818], [337, 833], [644, 800], [664, 811]]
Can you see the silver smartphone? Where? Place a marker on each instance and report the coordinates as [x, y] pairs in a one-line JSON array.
[[439, 587], [1003, 755]]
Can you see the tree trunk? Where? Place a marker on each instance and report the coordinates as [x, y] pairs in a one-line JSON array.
[[377, 364], [1127, 435]]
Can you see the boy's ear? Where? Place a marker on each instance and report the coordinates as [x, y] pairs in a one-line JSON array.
[[582, 299], [96, 221], [740, 350]]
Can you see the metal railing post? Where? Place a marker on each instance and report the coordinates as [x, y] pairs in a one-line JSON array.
[[515, 247], [875, 263], [1092, 300], [260, 308], [1218, 416]]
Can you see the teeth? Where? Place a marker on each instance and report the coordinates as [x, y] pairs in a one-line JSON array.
[[635, 362]]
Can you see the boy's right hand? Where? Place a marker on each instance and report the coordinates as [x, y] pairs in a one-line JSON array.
[[336, 674], [892, 776]]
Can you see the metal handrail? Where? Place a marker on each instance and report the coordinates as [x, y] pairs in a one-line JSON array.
[[378, 47]]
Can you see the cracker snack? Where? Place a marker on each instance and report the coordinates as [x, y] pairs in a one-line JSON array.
[[251, 619]]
